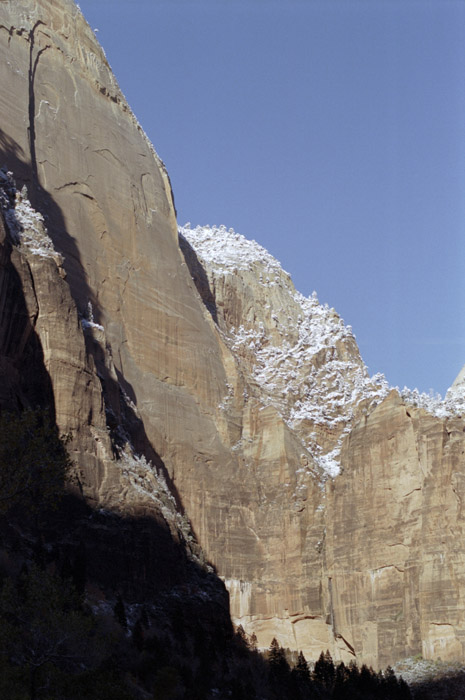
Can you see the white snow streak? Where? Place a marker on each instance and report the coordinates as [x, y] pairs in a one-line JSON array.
[[310, 370]]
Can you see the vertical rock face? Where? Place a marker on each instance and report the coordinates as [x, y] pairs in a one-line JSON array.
[[43, 355], [390, 571], [154, 360], [168, 380], [331, 507], [394, 551], [119, 242]]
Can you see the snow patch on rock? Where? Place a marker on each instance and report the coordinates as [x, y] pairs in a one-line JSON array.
[[224, 250], [453, 404], [26, 226], [151, 484], [299, 352]]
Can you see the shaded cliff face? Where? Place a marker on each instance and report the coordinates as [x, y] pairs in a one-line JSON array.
[[204, 366]]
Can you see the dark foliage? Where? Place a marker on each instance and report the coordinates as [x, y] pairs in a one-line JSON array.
[[120, 612], [163, 631], [34, 463]]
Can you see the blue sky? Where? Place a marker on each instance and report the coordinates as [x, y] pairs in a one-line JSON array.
[[333, 133]]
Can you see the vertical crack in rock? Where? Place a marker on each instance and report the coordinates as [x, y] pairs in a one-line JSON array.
[[33, 64], [331, 607]]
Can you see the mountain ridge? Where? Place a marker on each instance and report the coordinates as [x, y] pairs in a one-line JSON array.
[[213, 398]]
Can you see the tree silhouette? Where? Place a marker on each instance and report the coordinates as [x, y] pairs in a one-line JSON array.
[[279, 669], [120, 612], [42, 625], [34, 463], [324, 671], [301, 677]]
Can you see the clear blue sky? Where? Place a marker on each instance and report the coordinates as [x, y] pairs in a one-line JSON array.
[[332, 132]]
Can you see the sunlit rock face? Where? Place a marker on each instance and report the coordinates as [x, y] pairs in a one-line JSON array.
[[299, 354], [392, 561], [330, 506], [394, 546]]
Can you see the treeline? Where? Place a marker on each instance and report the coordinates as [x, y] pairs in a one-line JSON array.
[[328, 680]]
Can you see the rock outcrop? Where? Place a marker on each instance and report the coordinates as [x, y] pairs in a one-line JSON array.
[[201, 389], [385, 549], [394, 554]]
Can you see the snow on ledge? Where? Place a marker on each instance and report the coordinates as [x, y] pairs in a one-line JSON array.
[[26, 226], [225, 249]]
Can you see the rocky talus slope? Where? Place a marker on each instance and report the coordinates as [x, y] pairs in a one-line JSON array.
[[201, 389]]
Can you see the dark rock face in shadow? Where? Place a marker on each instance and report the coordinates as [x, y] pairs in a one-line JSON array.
[[451, 687], [199, 277], [111, 401], [134, 556], [24, 381]]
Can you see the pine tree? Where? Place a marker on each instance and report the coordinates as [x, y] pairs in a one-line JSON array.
[[276, 653], [404, 690], [279, 669], [341, 688], [368, 680], [331, 671], [324, 671], [390, 682], [301, 668], [120, 612], [301, 677], [242, 637]]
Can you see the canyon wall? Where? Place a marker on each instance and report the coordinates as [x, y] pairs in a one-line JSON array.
[[329, 504]]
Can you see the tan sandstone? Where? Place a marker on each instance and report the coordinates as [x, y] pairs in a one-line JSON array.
[[247, 402]]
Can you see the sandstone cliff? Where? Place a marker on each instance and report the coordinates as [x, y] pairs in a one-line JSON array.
[[201, 389], [169, 383]]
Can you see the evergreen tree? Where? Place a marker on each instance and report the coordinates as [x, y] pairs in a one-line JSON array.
[[43, 627], [367, 681], [341, 688], [34, 463], [324, 671], [120, 612], [279, 669], [301, 668], [301, 677], [404, 691], [331, 671], [391, 684], [242, 637], [276, 656]]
